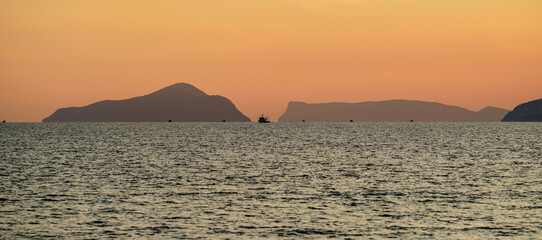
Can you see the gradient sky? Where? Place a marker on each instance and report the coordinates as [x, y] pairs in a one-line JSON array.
[[261, 54]]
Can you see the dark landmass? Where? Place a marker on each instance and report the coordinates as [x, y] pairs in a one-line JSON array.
[[180, 102], [526, 112], [387, 111]]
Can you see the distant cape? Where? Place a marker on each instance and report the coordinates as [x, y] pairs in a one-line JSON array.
[[388, 111], [526, 112], [180, 102]]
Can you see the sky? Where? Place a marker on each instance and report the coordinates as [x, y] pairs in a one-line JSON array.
[[261, 54]]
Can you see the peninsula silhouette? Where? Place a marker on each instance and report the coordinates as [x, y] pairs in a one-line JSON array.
[[387, 111], [526, 112], [180, 102]]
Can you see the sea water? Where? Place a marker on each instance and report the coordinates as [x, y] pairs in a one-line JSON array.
[[278, 180]]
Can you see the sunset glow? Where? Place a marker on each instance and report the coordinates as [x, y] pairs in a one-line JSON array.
[[261, 54]]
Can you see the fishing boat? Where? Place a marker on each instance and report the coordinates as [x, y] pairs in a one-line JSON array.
[[263, 119]]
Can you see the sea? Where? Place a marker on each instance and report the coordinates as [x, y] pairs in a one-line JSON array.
[[271, 181]]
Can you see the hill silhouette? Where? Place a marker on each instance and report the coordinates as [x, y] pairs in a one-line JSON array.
[[180, 102], [526, 112], [387, 111]]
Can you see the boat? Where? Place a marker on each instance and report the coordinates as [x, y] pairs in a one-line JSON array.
[[263, 119]]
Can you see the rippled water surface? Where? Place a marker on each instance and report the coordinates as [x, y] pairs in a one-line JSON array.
[[278, 180]]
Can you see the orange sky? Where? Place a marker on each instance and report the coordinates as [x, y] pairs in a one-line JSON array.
[[261, 54]]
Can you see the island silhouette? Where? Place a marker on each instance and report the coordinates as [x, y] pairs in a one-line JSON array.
[[387, 111], [526, 112], [179, 102]]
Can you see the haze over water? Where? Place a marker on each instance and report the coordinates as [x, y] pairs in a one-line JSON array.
[[279, 180]]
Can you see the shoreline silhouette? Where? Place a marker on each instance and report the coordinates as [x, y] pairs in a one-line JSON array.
[[183, 102]]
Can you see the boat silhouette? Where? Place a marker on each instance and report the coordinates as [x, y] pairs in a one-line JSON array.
[[263, 119]]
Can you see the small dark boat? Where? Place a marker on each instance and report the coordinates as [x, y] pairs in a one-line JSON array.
[[263, 119], [223, 120]]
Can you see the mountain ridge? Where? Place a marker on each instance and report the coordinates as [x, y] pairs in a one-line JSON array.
[[526, 112], [394, 110], [178, 102]]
